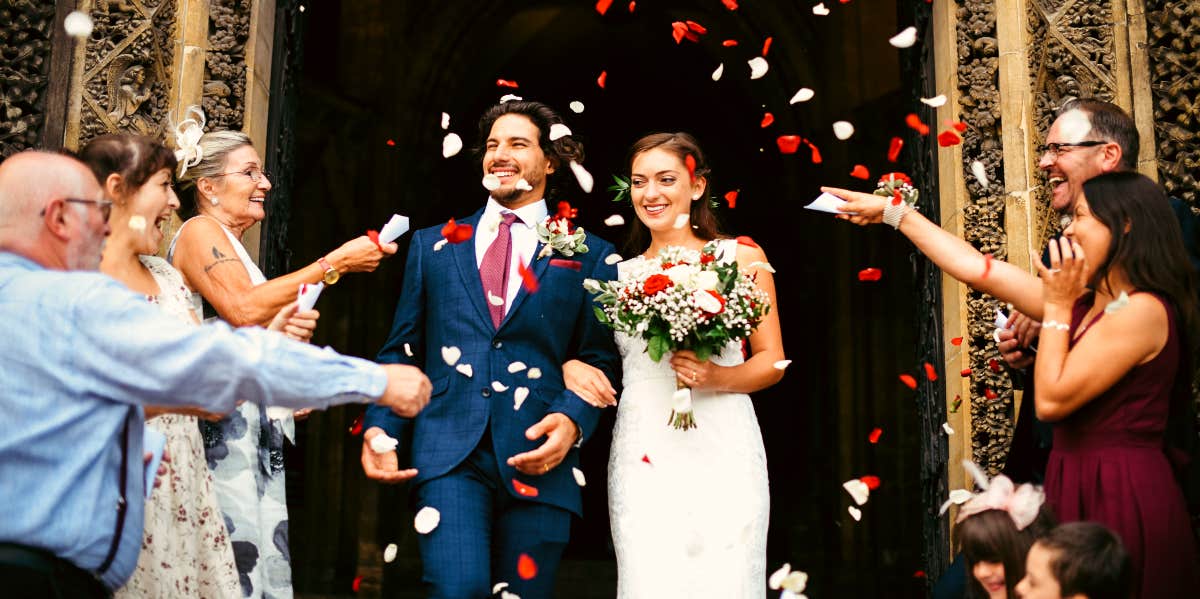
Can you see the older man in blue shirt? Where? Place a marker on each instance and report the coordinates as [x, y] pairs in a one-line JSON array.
[[79, 357]]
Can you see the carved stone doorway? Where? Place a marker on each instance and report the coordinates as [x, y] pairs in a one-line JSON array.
[[372, 82]]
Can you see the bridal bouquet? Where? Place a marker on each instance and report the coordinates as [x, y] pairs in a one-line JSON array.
[[682, 299]]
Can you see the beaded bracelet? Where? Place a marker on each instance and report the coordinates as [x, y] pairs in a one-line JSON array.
[[1054, 324], [894, 213]]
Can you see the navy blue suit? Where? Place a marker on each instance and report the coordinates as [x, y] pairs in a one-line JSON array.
[[461, 440]]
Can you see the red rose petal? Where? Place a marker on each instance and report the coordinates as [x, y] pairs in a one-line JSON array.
[[357, 584], [767, 119], [571, 264], [959, 126], [691, 36], [767, 45], [930, 372], [731, 198], [646, 458], [860, 172], [897, 198], [908, 381], [391, 142], [528, 279], [875, 434], [526, 567], [914, 121], [919, 574], [870, 274], [746, 241], [948, 138], [678, 31], [698, 28], [602, 6], [994, 365], [690, 161], [632, 5], [871, 481], [894, 149], [602, 79], [966, 372], [987, 265], [456, 233], [816, 154], [506, 83], [730, 4], [788, 144], [374, 237], [956, 341], [523, 489], [357, 426], [988, 393], [729, 43]]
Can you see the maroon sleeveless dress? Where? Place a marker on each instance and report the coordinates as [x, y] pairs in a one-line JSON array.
[[1108, 466]]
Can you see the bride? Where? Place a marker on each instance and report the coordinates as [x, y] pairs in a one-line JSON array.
[[689, 508]]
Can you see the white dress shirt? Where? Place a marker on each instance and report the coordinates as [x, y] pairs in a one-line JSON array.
[[524, 239]]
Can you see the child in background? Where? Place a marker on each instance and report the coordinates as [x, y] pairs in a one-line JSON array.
[[995, 529], [1080, 560]]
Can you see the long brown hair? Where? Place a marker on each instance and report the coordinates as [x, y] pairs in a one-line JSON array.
[[992, 536], [135, 157], [701, 216]]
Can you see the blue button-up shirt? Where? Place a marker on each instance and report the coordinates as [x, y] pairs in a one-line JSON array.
[[79, 355]]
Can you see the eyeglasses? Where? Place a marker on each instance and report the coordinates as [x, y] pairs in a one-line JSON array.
[[105, 206], [1057, 149], [253, 174]]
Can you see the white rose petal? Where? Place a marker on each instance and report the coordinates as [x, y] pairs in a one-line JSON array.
[[820, 10], [858, 490], [957, 497], [579, 479], [581, 175], [137, 222], [763, 265], [904, 39], [499, 387], [775, 582], [854, 512], [559, 130], [612, 259], [980, 173], [445, 121], [795, 582], [466, 370], [78, 24], [508, 595], [491, 182], [576, 107], [523, 185], [408, 350], [516, 367], [615, 220], [535, 373], [1117, 304], [758, 67], [946, 427], [782, 364], [681, 221], [451, 355], [451, 145], [519, 395], [382, 443], [510, 98], [936, 101], [803, 95], [441, 243], [843, 130], [389, 553], [427, 519], [499, 586], [494, 299], [716, 75]]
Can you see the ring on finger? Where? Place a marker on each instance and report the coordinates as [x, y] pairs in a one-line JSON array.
[[1055, 270], [693, 376]]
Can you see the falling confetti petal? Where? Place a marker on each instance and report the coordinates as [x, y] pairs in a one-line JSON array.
[[601, 7], [523, 489], [391, 142], [576, 107], [820, 10], [579, 479], [526, 567], [956, 341], [731, 198], [615, 220], [954, 405], [612, 259], [919, 574], [767, 45], [843, 130], [716, 75], [794, 584], [357, 584], [894, 149], [775, 581], [767, 119], [966, 372], [451, 145], [746, 241], [389, 553], [441, 243], [788, 144], [936, 101], [871, 481], [875, 434], [729, 43], [451, 355], [782, 364], [1117, 304], [382, 443], [994, 365], [908, 381], [499, 387], [646, 459], [959, 126], [456, 233], [854, 513], [408, 350], [582, 176], [989, 394], [559, 130], [519, 396], [690, 161], [763, 265], [466, 370], [914, 121], [445, 121], [957, 497], [948, 138], [860, 172], [758, 67], [730, 4], [858, 490], [528, 279], [522, 185], [78, 24], [904, 39], [427, 519], [499, 586], [816, 154], [870, 274], [930, 372], [803, 95], [137, 222], [632, 5], [356, 427], [681, 221], [510, 98], [946, 427], [980, 173], [491, 182], [534, 373], [602, 79], [506, 83]]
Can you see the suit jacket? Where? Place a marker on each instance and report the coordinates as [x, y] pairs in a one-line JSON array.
[[442, 304]]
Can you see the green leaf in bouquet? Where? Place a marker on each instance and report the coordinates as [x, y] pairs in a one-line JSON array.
[[703, 351], [601, 315], [657, 346]]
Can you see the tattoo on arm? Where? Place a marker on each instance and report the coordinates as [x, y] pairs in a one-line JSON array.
[[219, 258]]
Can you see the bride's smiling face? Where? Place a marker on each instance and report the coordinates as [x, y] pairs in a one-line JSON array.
[[661, 190]]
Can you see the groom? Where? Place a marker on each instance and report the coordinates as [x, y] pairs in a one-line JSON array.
[[495, 450]]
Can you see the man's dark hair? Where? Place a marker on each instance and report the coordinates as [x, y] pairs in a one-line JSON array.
[[1109, 123], [561, 151], [1088, 559]]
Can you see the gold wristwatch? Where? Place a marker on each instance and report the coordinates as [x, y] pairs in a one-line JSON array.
[[331, 275]]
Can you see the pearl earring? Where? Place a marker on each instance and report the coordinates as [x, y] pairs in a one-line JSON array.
[[695, 197], [214, 200]]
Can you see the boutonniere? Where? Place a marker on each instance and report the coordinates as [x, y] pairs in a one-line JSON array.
[[559, 234]]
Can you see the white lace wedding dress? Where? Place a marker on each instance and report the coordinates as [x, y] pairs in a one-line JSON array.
[[689, 509]]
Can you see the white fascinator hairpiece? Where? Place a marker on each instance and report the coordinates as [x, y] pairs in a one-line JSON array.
[[1021, 502], [187, 139]]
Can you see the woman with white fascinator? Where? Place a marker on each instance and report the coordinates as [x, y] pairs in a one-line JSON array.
[[223, 173]]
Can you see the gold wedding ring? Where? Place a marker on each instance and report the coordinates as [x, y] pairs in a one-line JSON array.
[[545, 467]]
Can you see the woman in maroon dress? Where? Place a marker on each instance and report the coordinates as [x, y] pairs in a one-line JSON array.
[[1115, 347]]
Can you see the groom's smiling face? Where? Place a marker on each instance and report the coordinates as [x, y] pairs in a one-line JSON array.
[[513, 153]]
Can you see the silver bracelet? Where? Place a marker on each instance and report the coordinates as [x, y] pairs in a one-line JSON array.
[[1056, 325], [894, 213]]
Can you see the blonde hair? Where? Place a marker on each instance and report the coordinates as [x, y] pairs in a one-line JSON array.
[[215, 148]]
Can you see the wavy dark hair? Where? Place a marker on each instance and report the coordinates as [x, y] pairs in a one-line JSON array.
[[1088, 559], [1151, 253], [135, 157], [992, 536], [1109, 123], [701, 215], [561, 151]]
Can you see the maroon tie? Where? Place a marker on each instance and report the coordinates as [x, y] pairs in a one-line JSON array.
[[493, 271]]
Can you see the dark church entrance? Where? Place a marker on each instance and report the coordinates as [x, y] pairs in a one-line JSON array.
[[360, 89]]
